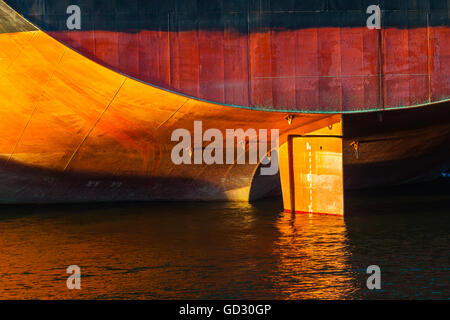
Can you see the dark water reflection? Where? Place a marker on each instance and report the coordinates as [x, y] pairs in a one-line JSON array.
[[221, 251]]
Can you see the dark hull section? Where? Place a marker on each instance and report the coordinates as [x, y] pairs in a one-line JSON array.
[[396, 147], [27, 185], [305, 56]]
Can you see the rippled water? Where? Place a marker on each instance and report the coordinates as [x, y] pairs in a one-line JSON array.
[[225, 251]]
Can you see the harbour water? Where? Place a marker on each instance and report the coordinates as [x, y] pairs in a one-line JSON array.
[[228, 250]]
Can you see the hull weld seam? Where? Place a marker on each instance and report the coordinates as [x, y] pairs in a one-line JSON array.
[[93, 126]]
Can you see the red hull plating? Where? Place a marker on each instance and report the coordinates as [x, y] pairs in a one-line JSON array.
[[318, 69]]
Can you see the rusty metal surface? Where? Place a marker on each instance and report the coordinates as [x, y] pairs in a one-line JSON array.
[[76, 131], [304, 56]]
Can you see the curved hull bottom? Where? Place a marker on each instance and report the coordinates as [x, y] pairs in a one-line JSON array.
[[25, 185], [30, 185], [393, 148]]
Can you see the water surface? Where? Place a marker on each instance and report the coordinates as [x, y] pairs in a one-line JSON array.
[[226, 251]]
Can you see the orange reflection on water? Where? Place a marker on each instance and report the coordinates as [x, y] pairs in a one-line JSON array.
[[313, 257], [193, 251]]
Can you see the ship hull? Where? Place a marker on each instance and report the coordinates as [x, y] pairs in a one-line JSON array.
[[80, 131], [396, 147], [387, 156]]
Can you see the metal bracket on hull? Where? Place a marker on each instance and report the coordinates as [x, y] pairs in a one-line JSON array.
[[355, 146]]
